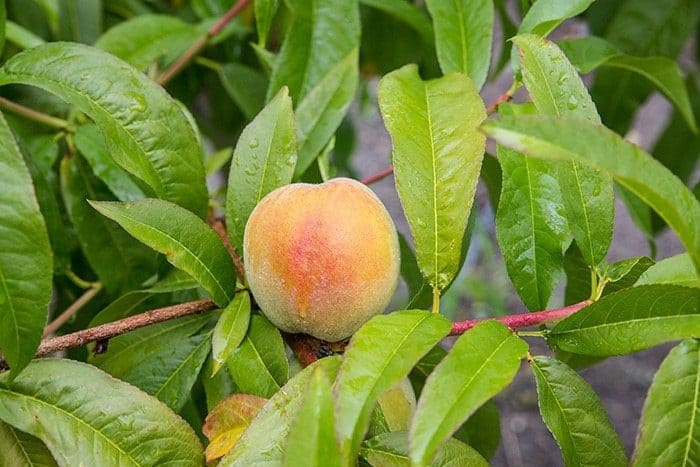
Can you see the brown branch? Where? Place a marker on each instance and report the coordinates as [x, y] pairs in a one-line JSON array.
[[35, 115], [60, 320], [219, 227], [523, 320], [377, 176], [178, 65], [116, 328]]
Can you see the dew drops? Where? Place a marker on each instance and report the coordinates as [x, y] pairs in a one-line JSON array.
[[253, 143], [572, 103]]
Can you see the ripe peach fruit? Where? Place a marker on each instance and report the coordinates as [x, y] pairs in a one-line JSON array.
[[321, 259]]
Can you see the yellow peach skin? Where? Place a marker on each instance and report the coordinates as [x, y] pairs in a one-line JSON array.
[[321, 259]]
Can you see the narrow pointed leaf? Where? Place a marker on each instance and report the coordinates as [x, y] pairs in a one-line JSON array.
[[231, 329], [669, 430], [575, 416], [321, 34], [18, 449], [589, 53], [312, 440], [674, 270], [186, 241], [630, 320], [25, 258], [66, 399], [545, 15], [263, 443], [164, 359], [259, 365], [623, 274], [481, 363], [322, 110], [391, 450], [531, 227], [264, 14], [463, 35], [146, 130], [79, 20], [379, 355], [21, 37], [556, 89], [578, 140], [246, 86], [263, 160], [144, 39], [407, 13], [437, 154], [227, 421], [91, 145]]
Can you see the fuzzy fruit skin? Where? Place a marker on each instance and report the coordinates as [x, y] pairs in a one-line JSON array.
[[321, 259]]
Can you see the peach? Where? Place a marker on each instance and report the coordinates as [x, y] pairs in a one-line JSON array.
[[321, 259]]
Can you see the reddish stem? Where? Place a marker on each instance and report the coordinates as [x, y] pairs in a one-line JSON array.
[[377, 176], [523, 320], [505, 97]]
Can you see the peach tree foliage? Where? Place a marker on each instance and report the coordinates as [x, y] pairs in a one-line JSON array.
[[133, 131]]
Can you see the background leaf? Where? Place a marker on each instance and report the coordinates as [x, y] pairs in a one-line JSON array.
[[263, 160], [545, 15], [437, 158], [259, 365], [480, 364], [463, 35], [264, 14], [25, 258], [380, 353], [406, 13], [186, 241], [79, 20], [674, 270], [634, 169], [321, 34], [18, 449], [146, 130], [66, 399], [575, 416], [630, 320], [669, 429], [226, 422], [246, 86]]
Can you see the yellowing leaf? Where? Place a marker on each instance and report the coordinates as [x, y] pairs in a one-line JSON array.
[[227, 422]]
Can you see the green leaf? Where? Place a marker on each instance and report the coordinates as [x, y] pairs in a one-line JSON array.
[[669, 429], [437, 156], [231, 329], [391, 450], [120, 262], [630, 320], [66, 400], [531, 227], [379, 355], [394, 410], [463, 35], [3, 24], [146, 130], [556, 138], [674, 270], [144, 39], [643, 28], [164, 359], [246, 86], [259, 365], [264, 14], [578, 276], [321, 34], [79, 20], [216, 161], [545, 15], [322, 110], [589, 53], [21, 37], [420, 295], [407, 13], [186, 241], [312, 441], [25, 258], [263, 443], [624, 273], [93, 148], [556, 89], [482, 430], [481, 363], [575, 416], [18, 449], [263, 160]]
